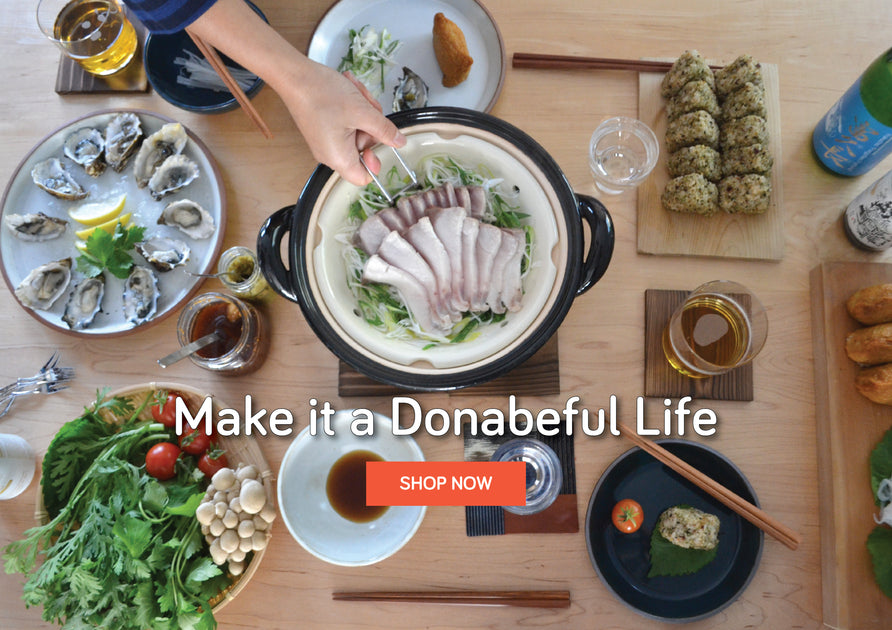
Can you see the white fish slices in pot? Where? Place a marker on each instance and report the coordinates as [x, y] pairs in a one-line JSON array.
[[689, 528], [35, 227], [45, 284], [442, 258]]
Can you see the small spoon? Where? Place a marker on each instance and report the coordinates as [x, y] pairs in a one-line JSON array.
[[206, 275], [188, 349]]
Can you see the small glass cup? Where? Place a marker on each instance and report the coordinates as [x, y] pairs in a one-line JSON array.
[[241, 274], [622, 153], [17, 465], [720, 326], [94, 33], [241, 326], [544, 477]]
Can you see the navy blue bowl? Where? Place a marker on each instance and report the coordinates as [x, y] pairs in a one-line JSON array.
[[159, 53]]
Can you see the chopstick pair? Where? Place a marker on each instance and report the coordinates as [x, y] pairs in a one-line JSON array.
[[568, 62], [738, 504], [525, 599], [217, 64]]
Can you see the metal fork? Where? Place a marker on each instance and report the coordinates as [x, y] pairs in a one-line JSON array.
[[412, 176], [48, 380]]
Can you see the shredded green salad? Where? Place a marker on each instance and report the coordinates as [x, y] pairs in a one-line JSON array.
[[379, 304], [370, 55]]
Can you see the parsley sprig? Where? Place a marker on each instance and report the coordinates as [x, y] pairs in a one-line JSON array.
[[110, 251]]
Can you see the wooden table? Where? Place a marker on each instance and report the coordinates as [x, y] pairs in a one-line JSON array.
[[819, 47]]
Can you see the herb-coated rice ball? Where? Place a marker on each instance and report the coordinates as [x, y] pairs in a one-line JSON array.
[[743, 132], [696, 159], [744, 194], [748, 100], [690, 129], [692, 96], [754, 158], [736, 74], [692, 194], [690, 66]]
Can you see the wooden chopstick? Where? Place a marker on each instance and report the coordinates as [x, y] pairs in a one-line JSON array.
[[568, 62], [526, 599], [741, 506], [214, 59]]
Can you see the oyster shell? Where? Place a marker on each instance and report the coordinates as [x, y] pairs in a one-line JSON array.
[[43, 286], [189, 217], [410, 93], [84, 302], [140, 295], [53, 177], [35, 227], [85, 147], [175, 172], [169, 140], [164, 253], [122, 136]]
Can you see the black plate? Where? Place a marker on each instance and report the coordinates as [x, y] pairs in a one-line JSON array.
[[623, 560]]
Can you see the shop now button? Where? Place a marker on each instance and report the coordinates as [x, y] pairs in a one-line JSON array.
[[445, 483]]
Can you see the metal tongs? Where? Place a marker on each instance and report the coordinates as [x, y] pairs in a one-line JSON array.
[[411, 186], [49, 380]]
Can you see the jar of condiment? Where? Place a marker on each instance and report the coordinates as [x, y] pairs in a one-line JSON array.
[[17, 465], [241, 274], [868, 219], [242, 330]]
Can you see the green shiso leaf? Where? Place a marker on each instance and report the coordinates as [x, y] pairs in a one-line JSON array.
[[879, 544], [881, 463], [670, 559]]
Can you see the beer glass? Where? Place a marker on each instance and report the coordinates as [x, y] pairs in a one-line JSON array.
[[721, 325], [95, 33]]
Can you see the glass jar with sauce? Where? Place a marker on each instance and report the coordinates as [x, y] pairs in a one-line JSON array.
[[241, 328], [241, 274]]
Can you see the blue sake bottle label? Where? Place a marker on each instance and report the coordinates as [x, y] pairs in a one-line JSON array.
[[848, 139]]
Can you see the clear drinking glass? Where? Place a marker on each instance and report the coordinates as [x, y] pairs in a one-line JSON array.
[[721, 325], [94, 33], [544, 477], [622, 153]]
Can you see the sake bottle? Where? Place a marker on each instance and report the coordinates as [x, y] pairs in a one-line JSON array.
[[856, 133]]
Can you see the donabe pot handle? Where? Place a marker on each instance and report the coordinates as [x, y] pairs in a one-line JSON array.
[[269, 252], [600, 248]]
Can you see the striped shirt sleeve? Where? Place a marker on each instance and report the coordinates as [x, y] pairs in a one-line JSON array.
[[168, 16]]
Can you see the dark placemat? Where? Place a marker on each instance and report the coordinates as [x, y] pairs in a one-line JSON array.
[[538, 376], [73, 79], [561, 517], [662, 380]]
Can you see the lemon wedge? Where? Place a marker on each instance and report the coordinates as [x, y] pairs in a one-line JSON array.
[[108, 226], [98, 212]]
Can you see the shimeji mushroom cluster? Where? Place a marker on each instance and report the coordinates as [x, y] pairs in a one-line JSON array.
[[235, 516]]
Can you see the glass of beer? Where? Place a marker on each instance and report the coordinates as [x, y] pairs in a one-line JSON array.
[[95, 33], [721, 325]]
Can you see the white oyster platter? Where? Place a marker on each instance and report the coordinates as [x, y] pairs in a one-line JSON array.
[[18, 257]]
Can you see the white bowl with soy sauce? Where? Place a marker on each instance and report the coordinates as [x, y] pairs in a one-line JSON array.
[[321, 492]]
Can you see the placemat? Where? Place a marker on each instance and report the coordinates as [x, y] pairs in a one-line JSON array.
[[537, 376], [561, 517], [73, 79], [662, 380]]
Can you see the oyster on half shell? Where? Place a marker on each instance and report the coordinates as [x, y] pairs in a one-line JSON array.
[[169, 140], [410, 93], [189, 217], [164, 253], [122, 136], [35, 227], [84, 302], [85, 146], [52, 176], [140, 295], [43, 286], [176, 172]]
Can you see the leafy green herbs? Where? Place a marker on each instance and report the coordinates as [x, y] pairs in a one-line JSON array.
[[110, 251], [122, 550], [879, 542], [667, 558]]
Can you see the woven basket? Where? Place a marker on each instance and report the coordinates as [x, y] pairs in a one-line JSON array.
[[239, 450]]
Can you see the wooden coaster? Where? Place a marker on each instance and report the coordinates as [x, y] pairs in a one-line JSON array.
[[537, 376], [73, 79], [662, 380]]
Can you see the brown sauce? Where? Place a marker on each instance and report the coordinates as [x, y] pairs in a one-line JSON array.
[[222, 318], [345, 487]]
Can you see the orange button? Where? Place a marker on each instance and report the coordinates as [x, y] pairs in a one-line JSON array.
[[445, 483]]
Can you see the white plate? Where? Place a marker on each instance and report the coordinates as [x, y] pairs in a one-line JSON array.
[[411, 22], [18, 258], [305, 507]]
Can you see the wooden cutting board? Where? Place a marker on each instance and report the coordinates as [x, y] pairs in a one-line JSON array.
[[848, 428], [759, 237]]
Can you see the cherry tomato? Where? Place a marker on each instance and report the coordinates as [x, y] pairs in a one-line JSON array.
[[627, 516], [193, 441], [167, 414], [161, 460], [212, 461]]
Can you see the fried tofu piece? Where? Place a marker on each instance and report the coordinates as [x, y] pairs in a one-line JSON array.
[[875, 383], [451, 51], [871, 305], [870, 346], [690, 528]]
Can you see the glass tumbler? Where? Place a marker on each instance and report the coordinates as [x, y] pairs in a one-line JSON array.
[[544, 477], [622, 153]]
